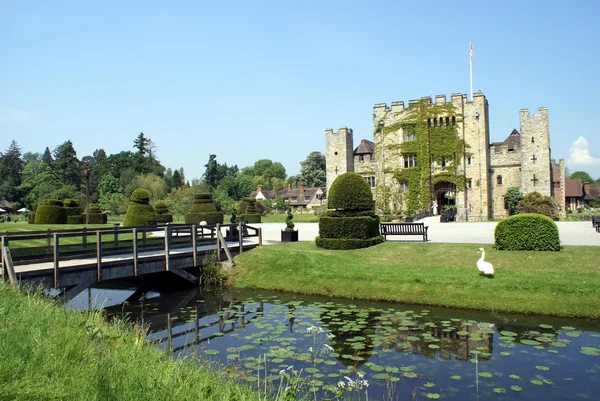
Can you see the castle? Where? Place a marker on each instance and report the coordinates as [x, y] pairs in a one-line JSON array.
[[434, 155]]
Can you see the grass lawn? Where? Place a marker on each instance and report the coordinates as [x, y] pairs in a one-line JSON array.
[[565, 283]]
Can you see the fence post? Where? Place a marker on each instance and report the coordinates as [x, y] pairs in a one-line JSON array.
[[56, 256], [99, 255], [135, 251], [259, 236], [116, 229], [217, 230], [84, 237], [4, 269], [167, 245], [241, 237], [48, 238], [194, 245]]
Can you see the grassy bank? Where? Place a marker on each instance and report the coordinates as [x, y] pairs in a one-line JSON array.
[[565, 283], [50, 353]]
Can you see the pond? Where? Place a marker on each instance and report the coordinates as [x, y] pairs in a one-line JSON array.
[[351, 349]]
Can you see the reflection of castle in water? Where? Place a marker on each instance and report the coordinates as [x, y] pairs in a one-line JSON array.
[[461, 339]]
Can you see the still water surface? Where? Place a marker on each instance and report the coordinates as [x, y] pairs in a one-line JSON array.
[[401, 351]]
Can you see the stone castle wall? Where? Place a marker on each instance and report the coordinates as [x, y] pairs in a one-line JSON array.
[[339, 153]]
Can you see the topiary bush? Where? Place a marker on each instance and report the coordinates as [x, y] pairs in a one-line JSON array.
[[353, 224], [248, 212], [350, 191], [289, 224], [527, 232], [97, 216], [139, 211], [72, 208], [204, 210], [162, 213], [75, 219], [51, 211]]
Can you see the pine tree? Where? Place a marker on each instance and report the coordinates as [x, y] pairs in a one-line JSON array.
[[66, 164]]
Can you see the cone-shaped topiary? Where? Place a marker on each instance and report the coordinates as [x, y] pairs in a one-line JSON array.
[[350, 191], [354, 223], [162, 213], [139, 211], [51, 211], [247, 211], [204, 210]]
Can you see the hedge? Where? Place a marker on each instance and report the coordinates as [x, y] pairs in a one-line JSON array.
[[79, 219], [348, 227], [141, 196], [347, 243], [31, 218], [162, 213], [527, 232], [51, 212], [350, 191], [350, 213], [139, 211], [250, 218], [204, 210], [95, 218]]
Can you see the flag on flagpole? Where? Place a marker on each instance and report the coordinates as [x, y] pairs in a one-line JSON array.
[[471, 50]]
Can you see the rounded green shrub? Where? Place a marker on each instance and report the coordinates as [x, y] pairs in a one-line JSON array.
[[139, 211], [527, 232], [162, 213], [204, 210], [51, 212], [350, 191]]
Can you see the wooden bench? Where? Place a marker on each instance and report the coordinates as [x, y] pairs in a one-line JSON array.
[[404, 229]]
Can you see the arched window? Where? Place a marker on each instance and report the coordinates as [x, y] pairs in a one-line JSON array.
[[441, 121], [447, 120], [453, 120]]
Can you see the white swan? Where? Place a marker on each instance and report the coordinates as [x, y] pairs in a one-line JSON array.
[[483, 266]]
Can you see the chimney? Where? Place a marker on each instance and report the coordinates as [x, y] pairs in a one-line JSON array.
[[586, 188], [259, 189], [301, 188]]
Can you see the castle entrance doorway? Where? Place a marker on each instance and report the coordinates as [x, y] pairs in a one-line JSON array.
[[445, 195]]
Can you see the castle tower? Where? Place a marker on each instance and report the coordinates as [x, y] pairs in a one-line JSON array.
[[339, 153], [536, 175]]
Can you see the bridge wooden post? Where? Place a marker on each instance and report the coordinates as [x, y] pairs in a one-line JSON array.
[[167, 245], [4, 269], [194, 245], [217, 230], [135, 251], [116, 229], [259, 236], [241, 237], [84, 237], [56, 256], [48, 243], [169, 333], [98, 255]]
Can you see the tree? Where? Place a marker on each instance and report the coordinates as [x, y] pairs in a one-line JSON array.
[[39, 182], [512, 198], [155, 185], [66, 164], [312, 170], [215, 172], [110, 195], [47, 157], [11, 168], [177, 182], [141, 143], [534, 202], [581, 175]]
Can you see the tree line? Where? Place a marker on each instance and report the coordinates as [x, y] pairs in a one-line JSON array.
[[27, 179]]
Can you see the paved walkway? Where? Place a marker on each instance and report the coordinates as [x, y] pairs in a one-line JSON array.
[[571, 232]]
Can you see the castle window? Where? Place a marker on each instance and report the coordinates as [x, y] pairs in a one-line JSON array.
[[409, 137], [410, 160], [441, 121], [447, 120], [499, 179], [435, 122], [532, 140], [453, 120], [371, 181], [534, 180], [402, 187], [443, 161], [361, 158], [469, 183], [533, 158], [469, 160]]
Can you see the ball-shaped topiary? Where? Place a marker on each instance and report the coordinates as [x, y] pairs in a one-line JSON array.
[[162, 213], [527, 232], [354, 223], [51, 211], [139, 211], [350, 191], [204, 210]]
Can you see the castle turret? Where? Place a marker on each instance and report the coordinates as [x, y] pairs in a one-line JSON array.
[[535, 152], [339, 154]]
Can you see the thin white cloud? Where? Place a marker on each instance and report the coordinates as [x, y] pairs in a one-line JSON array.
[[579, 153], [10, 115]]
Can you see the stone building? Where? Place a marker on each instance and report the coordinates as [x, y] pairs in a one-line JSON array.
[[476, 184]]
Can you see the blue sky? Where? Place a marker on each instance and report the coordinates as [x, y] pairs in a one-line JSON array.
[[264, 79]]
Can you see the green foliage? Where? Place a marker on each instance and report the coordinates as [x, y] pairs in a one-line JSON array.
[[312, 170], [347, 243], [512, 197], [534, 202], [527, 232], [595, 202], [162, 213], [71, 203], [51, 212], [349, 227], [140, 196], [31, 218], [215, 172], [155, 185], [247, 210], [233, 218], [204, 210], [11, 169], [66, 164], [351, 213], [250, 218], [79, 219], [139, 212], [289, 224], [581, 175], [350, 191]]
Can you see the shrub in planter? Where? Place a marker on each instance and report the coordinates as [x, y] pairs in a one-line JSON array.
[[353, 224], [51, 211], [203, 210], [289, 234], [139, 211], [527, 232], [162, 214]]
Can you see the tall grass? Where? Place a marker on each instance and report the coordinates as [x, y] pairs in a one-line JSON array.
[[565, 283], [51, 353]]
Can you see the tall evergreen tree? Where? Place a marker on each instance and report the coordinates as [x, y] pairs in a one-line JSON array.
[[11, 168], [177, 182], [66, 164], [47, 157]]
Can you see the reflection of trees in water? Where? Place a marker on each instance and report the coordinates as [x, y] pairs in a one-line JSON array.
[[345, 326]]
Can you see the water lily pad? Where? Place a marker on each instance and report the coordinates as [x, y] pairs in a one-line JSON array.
[[537, 382], [211, 351], [540, 367], [499, 390], [568, 328], [514, 376], [433, 346], [508, 333], [529, 342], [456, 377], [590, 351], [516, 388], [573, 333], [376, 368], [433, 396], [485, 374], [380, 376], [429, 384], [546, 326], [410, 375], [504, 353]]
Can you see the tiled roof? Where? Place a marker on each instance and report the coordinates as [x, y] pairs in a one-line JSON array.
[[513, 141], [594, 191], [573, 188], [365, 147], [4, 204]]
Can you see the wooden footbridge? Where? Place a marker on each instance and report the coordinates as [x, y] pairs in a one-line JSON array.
[[72, 260]]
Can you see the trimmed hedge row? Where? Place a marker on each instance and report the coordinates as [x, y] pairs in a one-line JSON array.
[[350, 213], [348, 227], [527, 232], [51, 212], [347, 243], [350, 191]]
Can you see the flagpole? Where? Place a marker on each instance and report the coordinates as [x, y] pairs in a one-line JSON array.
[[471, 67]]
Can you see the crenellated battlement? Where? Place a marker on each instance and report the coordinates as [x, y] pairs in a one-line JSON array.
[[400, 106]]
